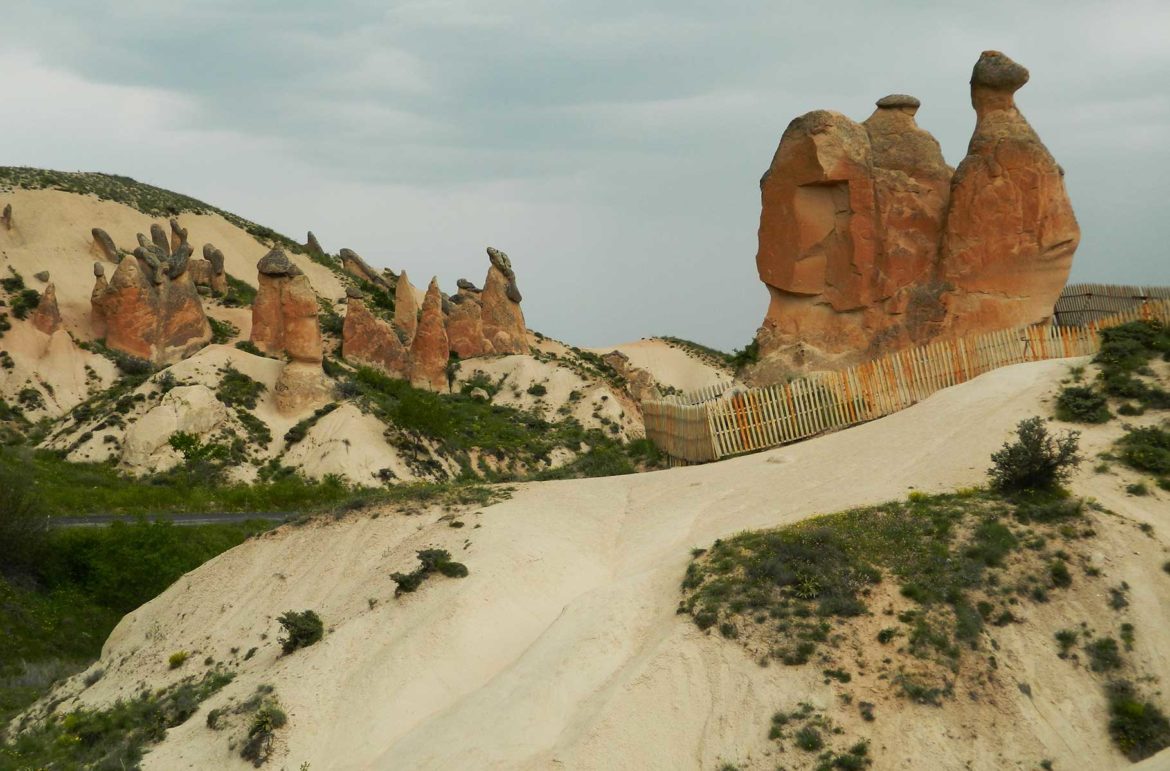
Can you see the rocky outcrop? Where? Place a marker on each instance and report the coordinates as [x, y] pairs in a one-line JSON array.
[[465, 324], [209, 271], [158, 237], [870, 242], [105, 245], [178, 235], [284, 322], [369, 341], [191, 409], [46, 317], [1011, 232], [405, 307], [430, 350], [6, 217], [504, 330], [313, 246], [640, 384], [149, 308], [359, 268]]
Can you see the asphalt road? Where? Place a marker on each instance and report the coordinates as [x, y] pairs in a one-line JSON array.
[[211, 518]]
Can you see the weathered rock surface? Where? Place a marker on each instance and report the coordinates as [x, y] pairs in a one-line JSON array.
[[105, 245], [301, 386], [870, 242], [430, 349], [504, 330], [192, 409], [284, 313], [47, 316], [313, 246], [209, 272], [42, 276], [465, 325], [1011, 232], [356, 266], [151, 311], [405, 307], [158, 237], [640, 384], [178, 235], [367, 340]]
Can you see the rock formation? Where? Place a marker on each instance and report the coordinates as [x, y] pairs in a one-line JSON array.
[[367, 340], [209, 271], [405, 307], [356, 266], [504, 331], [640, 384], [105, 245], [430, 351], [284, 322], [149, 308], [465, 322], [6, 217], [869, 242], [47, 316], [313, 246], [1011, 233], [158, 236], [178, 235]]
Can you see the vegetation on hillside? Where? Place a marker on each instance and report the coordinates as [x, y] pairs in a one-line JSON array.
[[148, 199], [944, 570]]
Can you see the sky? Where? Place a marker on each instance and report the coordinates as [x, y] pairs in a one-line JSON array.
[[613, 149]]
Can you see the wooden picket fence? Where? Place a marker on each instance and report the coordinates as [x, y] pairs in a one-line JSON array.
[[1081, 304], [720, 421]]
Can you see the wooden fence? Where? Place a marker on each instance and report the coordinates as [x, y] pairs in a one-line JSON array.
[[722, 421], [1081, 304]]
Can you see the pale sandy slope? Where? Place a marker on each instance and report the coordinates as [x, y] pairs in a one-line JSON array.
[[671, 365], [562, 649]]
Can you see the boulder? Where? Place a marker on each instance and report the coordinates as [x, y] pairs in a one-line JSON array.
[[405, 307], [47, 316], [313, 246], [190, 409], [284, 313], [504, 330], [429, 351], [42, 276], [105, 245], [465, 325], [869, 242], [369, 341], [150, 311]]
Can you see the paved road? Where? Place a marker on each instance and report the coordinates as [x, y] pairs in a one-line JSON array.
[[211, 518]]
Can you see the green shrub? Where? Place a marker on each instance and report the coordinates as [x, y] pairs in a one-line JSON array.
[[1036, 460], [1146, 449], [1138, 728], [240, 294], [1078, 404], [23, 524], [1060, 575], [430, 561], [238, 390], [247, 346], [24, 302], [809, 739], [222, 331], [177, 659], [1066, 638], [1103, 654], [300, 629], [269, 717], [537, 389]]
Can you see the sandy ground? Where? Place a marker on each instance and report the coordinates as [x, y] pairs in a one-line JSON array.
[[562, 648], [670, 365]]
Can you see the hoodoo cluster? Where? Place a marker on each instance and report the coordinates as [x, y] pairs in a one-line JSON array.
[[869, 242]]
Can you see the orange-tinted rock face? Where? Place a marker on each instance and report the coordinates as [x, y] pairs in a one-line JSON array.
[[1011, 232], [405, 307], [284, 313], [465, 325], [369, 341], [429, 350], [148, 313], [47, 316], [867, 244], [504, 330]]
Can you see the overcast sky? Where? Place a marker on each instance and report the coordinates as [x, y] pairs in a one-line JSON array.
[[613, 149]]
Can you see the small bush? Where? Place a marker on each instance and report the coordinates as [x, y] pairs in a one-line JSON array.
[[300, 629], [430, 561], [1078, 404], [1066, 639], [1058, 571], [1138, 728], [1036, 460], [238, 390], [1103, 654], [1146, 449], [247, 346], [222, 331], [809, 739], [537, 389], [268, 718], [177, 659]]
